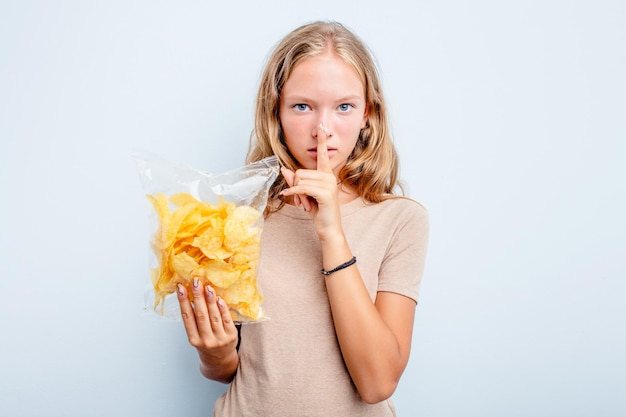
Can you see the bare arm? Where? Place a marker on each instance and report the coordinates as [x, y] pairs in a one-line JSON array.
[[375, 338]]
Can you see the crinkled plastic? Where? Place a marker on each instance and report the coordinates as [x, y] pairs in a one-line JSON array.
[[205, 226]]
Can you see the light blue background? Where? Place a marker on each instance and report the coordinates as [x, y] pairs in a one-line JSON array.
[[510, 118]]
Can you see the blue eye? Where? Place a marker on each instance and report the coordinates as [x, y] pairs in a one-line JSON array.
[[301, 107], [344, 107]]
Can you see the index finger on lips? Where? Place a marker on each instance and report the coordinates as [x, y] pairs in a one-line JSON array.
[[323, 161]]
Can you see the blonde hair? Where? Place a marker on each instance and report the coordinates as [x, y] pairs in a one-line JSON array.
[[372, 168]]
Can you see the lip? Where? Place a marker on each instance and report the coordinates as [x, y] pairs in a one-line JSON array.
[[313, 152], [314, 149]]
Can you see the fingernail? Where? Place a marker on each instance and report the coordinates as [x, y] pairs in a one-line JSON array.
[[180, 290], [195, 282], [210, 292], [221, 302]]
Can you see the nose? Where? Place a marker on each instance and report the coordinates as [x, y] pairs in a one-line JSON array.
[[321, 127]]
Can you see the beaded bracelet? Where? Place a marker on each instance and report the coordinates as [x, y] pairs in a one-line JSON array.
[[340, 267]]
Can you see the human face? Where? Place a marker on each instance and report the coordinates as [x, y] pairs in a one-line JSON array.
[[322, 90]]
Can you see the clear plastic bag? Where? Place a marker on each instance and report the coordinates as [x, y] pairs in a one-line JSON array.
[[205, 226]]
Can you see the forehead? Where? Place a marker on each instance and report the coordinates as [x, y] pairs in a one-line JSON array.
[[326, 72]]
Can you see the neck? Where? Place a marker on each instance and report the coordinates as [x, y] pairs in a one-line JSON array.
[[346, 194]]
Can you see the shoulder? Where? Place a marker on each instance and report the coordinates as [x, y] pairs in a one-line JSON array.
[[394, 216], [405, 203], [400, 207]]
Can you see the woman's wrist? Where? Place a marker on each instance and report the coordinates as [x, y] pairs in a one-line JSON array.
[[332, 237], [219, 369], [335, 251]]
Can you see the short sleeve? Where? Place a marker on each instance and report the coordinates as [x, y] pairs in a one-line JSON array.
[[403, 264]]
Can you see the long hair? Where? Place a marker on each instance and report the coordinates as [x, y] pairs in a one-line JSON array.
[[372, 167]]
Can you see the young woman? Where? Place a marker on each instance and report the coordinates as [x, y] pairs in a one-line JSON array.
[[342, 256]]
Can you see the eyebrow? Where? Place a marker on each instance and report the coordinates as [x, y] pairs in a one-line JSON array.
[[298, 97], [352, 97]]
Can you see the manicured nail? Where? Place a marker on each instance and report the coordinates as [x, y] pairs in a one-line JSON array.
[[210, 292], [221, 302], [180, 290], [195, 282]]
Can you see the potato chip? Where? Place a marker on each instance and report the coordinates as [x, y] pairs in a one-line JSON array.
[[218, 244], [244, 299]]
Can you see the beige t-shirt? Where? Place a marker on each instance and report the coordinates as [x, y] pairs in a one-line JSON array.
[[291, 364]]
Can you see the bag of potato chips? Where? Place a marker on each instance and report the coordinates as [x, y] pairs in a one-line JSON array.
[[208, 227]]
